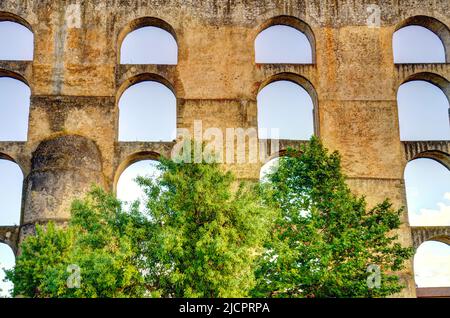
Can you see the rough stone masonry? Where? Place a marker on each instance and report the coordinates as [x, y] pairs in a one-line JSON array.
[[76, 81]]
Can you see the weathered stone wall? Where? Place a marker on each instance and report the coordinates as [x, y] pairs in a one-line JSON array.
[[76, 81]]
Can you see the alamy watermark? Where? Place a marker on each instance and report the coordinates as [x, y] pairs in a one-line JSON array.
[[374, 279], [374, 18], [74, 279], [229, 145]]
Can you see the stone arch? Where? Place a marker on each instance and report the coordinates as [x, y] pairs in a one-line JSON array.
[[292, 22], [139, 164], [142, 78], [5, 156], [431, 78], [14, 75], [303, 83], [432, 24], [9, 235], [10, 17], [421, 234], [282, 152], [141, 23], [170, 99], [131, 159], [441, 238], [441, 157], [434, 79]]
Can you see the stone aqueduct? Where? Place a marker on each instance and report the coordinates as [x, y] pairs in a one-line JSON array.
[[75, 80]]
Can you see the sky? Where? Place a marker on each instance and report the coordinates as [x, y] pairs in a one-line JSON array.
[[141, 118], [287, 106], [21, 37], [14, 109], [128, 190], [283, 104], [428, 192], [282, 44], [416, 44], [422, 104], [158, 47]]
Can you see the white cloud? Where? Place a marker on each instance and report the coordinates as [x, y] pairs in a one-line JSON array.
[[447, 196], [432, 265], [433, 217]]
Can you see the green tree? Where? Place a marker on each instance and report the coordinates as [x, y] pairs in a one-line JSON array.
[[102, 241], [207, 231], [199, 236], [326, 238]]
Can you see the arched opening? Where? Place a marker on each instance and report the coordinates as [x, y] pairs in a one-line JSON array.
[[416, 44], [423, 111], [421, 39], [14, 109], [17, 34], [128, 191], [11, 184], [268, 168], [285, 111], [147, 112], [285, 39], [432, 265], [148, 41], [427, 184], [7, 261]]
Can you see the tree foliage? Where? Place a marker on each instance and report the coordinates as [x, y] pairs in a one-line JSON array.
[[102, 240], [198, 236], [200, 233], [206, 235], [326, 238]]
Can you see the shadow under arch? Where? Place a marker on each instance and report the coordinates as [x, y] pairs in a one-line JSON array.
[[293, 22], [140, 23], [305, 84], [432, 24], [131, 159]]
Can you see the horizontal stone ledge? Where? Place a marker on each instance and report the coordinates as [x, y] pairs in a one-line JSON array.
[[433, 292], [50, 101], [12, 147], [41, 221], [375, 179]]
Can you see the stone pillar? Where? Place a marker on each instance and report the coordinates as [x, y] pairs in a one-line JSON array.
[[62, 168]]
